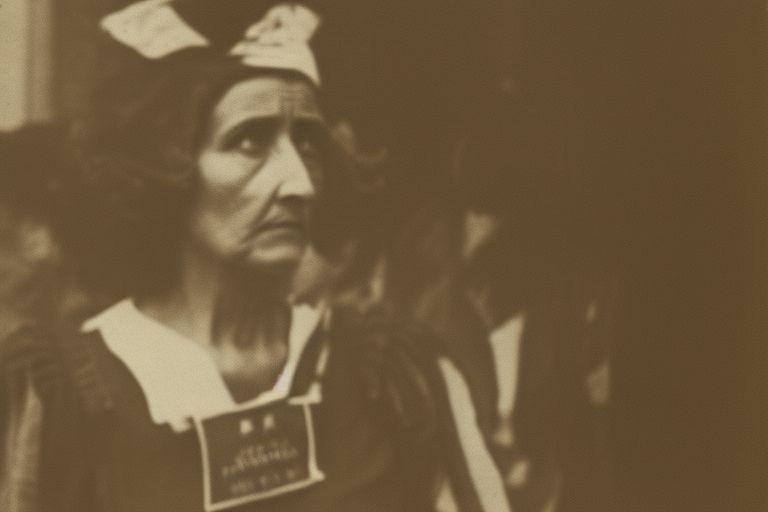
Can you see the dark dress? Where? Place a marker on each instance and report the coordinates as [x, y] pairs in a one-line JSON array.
[[101, 451]]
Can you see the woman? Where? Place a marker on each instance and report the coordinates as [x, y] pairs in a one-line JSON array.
[[205, 172]]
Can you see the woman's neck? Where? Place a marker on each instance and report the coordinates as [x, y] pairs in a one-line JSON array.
[[215, 303]]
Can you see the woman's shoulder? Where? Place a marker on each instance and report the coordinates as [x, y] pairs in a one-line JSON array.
[[44, 414], [56, 361], [381, 328], [395, 362], [405, 368]]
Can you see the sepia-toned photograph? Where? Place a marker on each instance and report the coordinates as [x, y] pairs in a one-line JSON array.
[[383, 256]]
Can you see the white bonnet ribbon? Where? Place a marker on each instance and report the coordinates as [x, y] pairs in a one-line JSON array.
[[280, 40], [152, 28]]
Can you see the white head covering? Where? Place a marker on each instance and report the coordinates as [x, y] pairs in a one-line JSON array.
[[279, 40]]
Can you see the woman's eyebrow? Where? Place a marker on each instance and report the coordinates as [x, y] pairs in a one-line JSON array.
[[308, 115], [247, 124], [249, 119], [311, 122]]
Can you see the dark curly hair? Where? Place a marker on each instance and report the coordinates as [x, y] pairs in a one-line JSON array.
[[136, 171]]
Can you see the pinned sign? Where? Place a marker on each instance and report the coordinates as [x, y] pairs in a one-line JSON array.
[[257, 452]]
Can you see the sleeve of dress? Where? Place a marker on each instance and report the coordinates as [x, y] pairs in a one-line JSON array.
[[405, 370], [21, 423], [476, 481], [42, 456]]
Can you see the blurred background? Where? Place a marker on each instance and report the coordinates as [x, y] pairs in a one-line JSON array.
[[27, 60]]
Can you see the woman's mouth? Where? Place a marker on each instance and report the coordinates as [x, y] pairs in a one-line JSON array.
[[280, 225]]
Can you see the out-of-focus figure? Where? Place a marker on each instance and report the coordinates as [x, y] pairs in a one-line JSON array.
[[492, 269], [29, 256], [544, 316], [36, 288]]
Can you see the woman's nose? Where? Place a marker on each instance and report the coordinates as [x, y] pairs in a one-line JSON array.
[[295, 179]]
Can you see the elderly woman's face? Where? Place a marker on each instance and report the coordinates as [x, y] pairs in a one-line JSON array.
[[259, 164]]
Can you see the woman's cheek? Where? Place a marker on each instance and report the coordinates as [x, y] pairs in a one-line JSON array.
[[220, 172]]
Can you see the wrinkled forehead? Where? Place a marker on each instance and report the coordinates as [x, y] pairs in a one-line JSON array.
[[279, 97]]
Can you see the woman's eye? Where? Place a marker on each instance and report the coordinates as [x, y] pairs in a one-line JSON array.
[[308, 147], [251, 146], [308, 142], [254, 140]]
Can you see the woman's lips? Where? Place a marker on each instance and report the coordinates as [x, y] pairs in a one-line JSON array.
[[291, 225]]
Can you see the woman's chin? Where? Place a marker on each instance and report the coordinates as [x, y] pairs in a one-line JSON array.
[[275, 260]]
